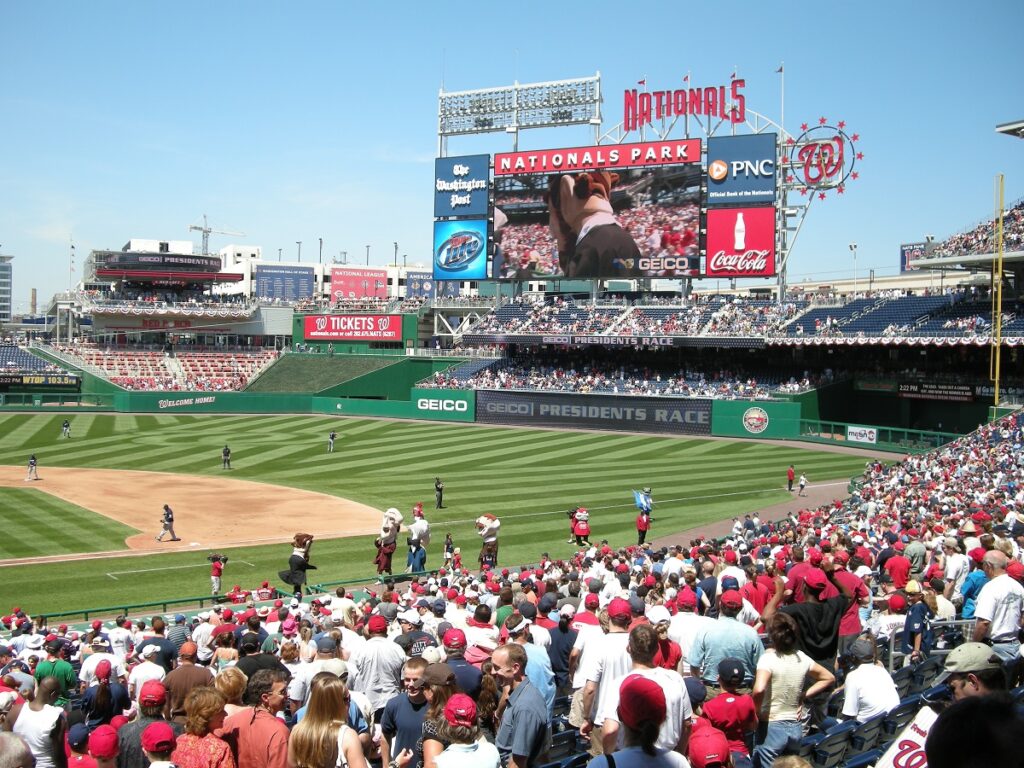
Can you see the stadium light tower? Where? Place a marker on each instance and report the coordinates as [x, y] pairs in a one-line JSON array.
[[299, 243], [853, 247]]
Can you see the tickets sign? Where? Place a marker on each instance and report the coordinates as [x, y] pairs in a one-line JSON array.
[[352, 328]]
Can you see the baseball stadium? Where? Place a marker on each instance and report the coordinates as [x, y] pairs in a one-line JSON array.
[[603, 391]]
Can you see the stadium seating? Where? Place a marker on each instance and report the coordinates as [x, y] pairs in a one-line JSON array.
[[14, 359], [904, 312]]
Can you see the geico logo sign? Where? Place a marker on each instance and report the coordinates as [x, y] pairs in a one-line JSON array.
[[719, 170], [523, 409], [430, 404]]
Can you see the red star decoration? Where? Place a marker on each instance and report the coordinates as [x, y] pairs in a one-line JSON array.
[[803, 191], [785, 158], [860, 155], [790, 140], [840, 189], [821, 195], [841, 124], [855, 137], [854, 175], [803, 126], [790, 179], [822, 121]]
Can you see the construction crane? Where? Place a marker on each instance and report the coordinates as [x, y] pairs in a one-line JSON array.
[[207, 230]]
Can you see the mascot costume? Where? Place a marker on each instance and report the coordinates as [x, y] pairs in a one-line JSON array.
[[487, 526], [590, 241], [298, 563], [386, 542]]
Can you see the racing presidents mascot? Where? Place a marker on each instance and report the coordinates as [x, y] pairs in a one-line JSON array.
[[487, 526], [386, 541], [590, 241], [298, 563]]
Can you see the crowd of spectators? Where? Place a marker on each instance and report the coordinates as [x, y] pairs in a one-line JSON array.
[[585, 376], [716, 653], [982, 238], [744, 317]]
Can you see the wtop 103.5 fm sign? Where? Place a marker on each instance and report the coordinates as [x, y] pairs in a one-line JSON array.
[[742, 169], [461, 185], [460, 249]]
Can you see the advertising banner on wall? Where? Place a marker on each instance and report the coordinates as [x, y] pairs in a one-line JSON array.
[[285, 283], [358, 283], [910, 253], [352, 327], [740, 242], [461, 185], [611, 412], [419, 285], [741, 169], [573, 159], [755, 418], [460, 249], [858, 434]]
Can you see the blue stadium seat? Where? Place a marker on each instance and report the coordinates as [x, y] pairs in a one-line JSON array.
[[830, 751], [865, 760], [898, 719], [576, 761], [563, 745], [561, 706], [904, 678], [924, 674], [865, 736]]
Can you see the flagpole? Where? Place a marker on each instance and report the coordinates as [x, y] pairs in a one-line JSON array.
[[686, 117], [782, 99], [643, 125]]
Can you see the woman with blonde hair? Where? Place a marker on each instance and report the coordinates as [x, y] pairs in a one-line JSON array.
[[231, 684], [198, 747], [323, 738]]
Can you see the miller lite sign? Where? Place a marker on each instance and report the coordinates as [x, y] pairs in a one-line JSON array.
[[740, 242]]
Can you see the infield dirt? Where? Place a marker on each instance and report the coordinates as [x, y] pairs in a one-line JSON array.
[[209, 512]]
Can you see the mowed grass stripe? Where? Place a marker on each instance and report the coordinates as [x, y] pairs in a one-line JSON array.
[[36, 523]]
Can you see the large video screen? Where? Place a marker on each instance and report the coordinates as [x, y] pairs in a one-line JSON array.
[[606, 224]]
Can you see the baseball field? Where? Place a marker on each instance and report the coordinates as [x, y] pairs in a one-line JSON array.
[[101, 492]]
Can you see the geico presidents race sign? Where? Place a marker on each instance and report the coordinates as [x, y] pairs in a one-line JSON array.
[[740, 242], [352, 328], [572, 159]]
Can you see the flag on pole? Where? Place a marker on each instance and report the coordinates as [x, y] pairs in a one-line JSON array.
[[779, 70], [733, 75], [642, 82], [686, 78]]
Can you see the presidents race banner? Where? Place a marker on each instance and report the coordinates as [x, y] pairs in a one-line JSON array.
[[678, 416]]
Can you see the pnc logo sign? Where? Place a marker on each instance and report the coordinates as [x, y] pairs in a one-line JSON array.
[[720, 170]]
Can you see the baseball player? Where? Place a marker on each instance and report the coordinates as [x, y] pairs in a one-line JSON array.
[[438, 493], [803, 484], [65, 429], [168, 524], [33, 469], [225, 458], [330, 441]]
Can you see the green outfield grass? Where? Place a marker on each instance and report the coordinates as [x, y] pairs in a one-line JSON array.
[[527, 477], [36, 523]]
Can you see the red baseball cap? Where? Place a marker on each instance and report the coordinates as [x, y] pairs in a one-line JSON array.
[[977, 554], [158, 737], [641, 700], [619, 608], [686, 597], [454, 638], [897, 603], [152, 694], [732, 598], [377, 624], [1015, 569], [591, 601], [841, 556], [730, 556], [103, 742], [708, 747]]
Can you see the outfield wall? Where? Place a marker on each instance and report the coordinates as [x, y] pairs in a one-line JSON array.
[[569, 410]]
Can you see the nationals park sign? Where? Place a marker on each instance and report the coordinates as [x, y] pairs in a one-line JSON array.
[[352, 328]]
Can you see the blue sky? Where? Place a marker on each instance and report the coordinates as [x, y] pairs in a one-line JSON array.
[[296, 121]]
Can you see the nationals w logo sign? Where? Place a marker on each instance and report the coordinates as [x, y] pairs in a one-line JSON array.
[[822, 158]]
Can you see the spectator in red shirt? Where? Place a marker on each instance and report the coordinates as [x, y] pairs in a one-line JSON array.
[[732, 712], [669, 654], [849, 624], [898, 567]]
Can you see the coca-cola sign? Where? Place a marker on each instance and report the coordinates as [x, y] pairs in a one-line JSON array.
[[740, 242]]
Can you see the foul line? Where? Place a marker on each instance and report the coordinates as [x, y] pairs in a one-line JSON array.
[[170, 568], [658, 502]]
